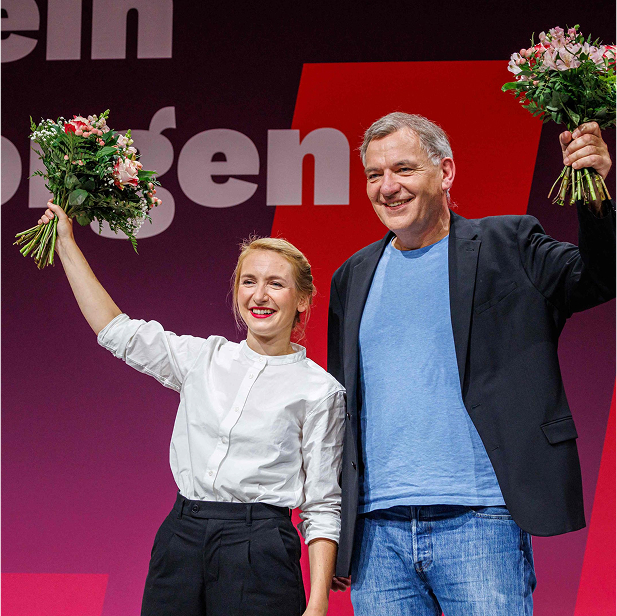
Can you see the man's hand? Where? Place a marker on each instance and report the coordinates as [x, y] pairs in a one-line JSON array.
[[585, 148], [341, 583]]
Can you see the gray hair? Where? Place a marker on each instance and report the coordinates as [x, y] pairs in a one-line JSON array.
[[433, 140]]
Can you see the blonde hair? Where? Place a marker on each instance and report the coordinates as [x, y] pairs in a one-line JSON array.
[[301, 269]]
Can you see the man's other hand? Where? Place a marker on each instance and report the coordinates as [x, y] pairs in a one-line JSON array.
[[341, 583], [584, 147]]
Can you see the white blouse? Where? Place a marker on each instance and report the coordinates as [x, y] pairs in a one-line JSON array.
[[250, 427]]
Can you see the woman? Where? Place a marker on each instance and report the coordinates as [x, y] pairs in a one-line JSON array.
[[258, 431]]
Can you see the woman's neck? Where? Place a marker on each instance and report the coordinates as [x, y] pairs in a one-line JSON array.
[[268, 346]]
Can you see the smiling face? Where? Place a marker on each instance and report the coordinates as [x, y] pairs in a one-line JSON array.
[[407, 190], [268, 301]]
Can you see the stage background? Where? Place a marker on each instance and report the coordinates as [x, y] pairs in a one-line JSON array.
[[86, 479]]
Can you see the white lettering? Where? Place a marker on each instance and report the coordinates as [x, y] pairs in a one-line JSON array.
[[156, 152], [196, 167], [154, 32], [330, 149], [64, 29], [11, 170], [21, 15]]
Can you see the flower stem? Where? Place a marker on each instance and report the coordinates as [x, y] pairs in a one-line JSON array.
[[592, 192], [550, 192]]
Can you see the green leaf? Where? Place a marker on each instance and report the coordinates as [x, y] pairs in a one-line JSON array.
[[512, 85], [70, 181], [89, 185], [77, 197], [83, 219], [106, 151], [144, 174]]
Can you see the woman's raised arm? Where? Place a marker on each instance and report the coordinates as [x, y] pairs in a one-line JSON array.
[[95, 303]]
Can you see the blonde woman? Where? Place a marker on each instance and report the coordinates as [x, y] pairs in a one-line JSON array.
[[258, 432]]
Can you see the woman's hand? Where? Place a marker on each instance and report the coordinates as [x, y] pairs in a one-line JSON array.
[[65, 224]]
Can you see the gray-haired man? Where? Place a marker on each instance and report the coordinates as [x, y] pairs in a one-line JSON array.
[[459, 440]]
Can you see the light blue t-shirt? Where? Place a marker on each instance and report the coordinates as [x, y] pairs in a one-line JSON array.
[[419, 445]]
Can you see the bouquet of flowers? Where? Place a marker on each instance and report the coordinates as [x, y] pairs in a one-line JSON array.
[[93, 173], [570, 80]]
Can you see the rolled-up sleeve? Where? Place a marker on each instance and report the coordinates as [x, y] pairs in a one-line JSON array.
[[322, 449], [147, 347]]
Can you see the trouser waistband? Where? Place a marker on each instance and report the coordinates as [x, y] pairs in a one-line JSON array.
[[228, 511]]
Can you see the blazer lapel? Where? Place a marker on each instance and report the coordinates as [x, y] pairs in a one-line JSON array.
[[463, 252], [359, 286]]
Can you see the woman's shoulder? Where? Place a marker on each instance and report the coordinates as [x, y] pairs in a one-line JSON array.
[[322, 377]]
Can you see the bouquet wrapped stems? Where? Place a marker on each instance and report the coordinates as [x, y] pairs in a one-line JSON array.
[[40, 241], [579, 184]]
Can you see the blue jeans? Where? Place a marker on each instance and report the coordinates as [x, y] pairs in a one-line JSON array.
[[420, 561]]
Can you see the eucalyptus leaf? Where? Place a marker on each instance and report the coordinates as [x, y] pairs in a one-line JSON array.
[[70, 181], [77, 197]]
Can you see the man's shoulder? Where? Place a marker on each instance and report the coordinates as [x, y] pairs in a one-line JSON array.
[[358, 257], [511, 224]]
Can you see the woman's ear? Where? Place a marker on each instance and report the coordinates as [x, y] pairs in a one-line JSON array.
[[303, 304]]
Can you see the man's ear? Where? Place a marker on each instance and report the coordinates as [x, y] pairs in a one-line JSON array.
[[448, 170]]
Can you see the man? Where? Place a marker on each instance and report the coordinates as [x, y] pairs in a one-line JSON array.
[[459, 441]]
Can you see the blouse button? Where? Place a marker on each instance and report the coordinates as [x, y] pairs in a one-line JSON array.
[[210, 473], [251, 375], [237, 409]]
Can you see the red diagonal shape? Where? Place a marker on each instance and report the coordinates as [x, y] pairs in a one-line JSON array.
[[596, 591], [495, 144], [53, 594]]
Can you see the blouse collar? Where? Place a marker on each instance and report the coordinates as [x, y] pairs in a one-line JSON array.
[[274, 360]]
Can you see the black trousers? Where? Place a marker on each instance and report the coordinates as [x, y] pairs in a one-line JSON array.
[[225, 559]]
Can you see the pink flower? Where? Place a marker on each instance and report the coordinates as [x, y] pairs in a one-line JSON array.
[[566, 60], [76, 124], [123, 142], [125, 172], [548, 60], [513, 65], [596, 54]]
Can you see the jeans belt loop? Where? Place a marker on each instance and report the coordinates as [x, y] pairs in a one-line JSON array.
[[181, 509], [249, 518]]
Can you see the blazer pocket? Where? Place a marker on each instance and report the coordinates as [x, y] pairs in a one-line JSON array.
[[559, 430], [495, 300]]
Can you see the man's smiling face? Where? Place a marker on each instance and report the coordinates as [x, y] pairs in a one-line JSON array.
[[406, 188]]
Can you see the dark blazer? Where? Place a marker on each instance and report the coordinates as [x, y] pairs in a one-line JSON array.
[[512, 288]]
